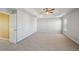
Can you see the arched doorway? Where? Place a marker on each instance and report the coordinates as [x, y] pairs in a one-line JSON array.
[[4, 26]]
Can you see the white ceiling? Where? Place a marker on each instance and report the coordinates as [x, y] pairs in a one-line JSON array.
[[59, 12]]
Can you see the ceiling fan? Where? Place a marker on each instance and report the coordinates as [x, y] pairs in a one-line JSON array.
[[48, 11]]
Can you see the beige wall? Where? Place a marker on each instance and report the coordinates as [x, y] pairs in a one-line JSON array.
[[4, 26]]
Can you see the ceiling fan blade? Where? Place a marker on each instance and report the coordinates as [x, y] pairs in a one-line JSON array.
[[51, 9], [51, 12]]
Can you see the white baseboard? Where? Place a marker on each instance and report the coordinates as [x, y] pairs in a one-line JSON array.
[[4, 38], [25, 37], [66, 34]]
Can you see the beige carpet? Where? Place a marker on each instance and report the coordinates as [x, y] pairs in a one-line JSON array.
[[41, 42]]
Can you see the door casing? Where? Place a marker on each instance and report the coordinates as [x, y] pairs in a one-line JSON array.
[[12, 32]]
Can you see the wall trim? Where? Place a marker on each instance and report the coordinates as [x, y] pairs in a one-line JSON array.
[[25, 37], [66, 34], [4, 12], [4, 38]]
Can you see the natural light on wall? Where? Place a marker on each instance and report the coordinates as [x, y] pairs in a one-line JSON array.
[[64, 24]]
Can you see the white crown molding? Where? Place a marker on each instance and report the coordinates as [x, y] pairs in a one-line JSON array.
[[8, 10]]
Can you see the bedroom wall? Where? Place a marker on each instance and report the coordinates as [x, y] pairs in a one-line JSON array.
[[49, 25], [73, 25], [26, 24]]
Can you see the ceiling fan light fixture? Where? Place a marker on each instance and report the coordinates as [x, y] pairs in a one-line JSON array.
[[48, 11]]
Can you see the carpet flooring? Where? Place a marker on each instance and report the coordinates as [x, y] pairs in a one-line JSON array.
[[41, 42]]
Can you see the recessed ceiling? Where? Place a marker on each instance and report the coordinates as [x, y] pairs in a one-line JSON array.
[[58, 12]]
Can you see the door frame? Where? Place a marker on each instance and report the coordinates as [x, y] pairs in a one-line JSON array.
[[10, 32]]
